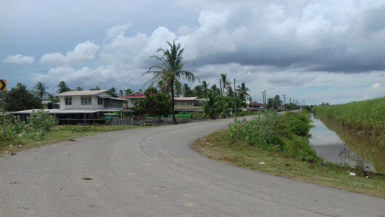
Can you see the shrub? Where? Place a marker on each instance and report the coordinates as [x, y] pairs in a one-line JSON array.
[[300, 149], [41, 121]]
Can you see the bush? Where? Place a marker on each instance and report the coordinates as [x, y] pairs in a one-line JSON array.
[[287, 133], [41, 122], [300, 149]]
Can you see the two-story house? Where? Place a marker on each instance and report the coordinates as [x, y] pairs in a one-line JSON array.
[[90, 106]]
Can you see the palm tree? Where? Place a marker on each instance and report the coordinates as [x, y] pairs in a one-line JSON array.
[[112, 91], [40, 90], [224, 84], [95, 88], [128, 91], [187, 90], [170, 70], [62, 87], [243, 91], [205, 87]]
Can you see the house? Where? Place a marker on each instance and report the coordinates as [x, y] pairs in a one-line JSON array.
[[89, 106], [255, 106], [133, 98], [89, 99], [188, 104]]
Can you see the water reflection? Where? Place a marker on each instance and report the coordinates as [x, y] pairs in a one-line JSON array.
[[330, 147]]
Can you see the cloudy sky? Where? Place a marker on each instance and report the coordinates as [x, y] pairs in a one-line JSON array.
[[317, 51]]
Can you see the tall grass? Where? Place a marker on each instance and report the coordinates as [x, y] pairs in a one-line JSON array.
[[367, 116], [286, 133]]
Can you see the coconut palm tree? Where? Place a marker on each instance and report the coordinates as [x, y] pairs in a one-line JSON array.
[[205, 87], [243, 91], [40, 90], [170, 70], [62, 87]]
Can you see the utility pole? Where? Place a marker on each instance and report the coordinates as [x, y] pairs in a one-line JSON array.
[[223, 99], [3, 112], [235, 101], [284, 99]]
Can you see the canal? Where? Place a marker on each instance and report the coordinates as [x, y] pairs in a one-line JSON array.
[[331, 147]]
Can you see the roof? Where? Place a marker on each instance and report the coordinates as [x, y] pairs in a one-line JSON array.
[[68, 111], [256, 104], [134, 96], [82, 93], [185, 98]]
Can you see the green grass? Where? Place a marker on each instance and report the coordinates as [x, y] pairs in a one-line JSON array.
[[220, 146], [56, 134], [366, 115]]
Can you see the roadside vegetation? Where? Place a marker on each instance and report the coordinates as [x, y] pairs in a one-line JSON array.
[[42, 129], [363, 120], [279, 145]]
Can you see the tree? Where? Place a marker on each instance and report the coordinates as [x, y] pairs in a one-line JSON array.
[[205, 87], [155, 104], [187, 92], [128, 91], [274, 103], [198, 91], [112, 91], [62, 87], [170, 70], [95, 88], [40, 90], [19, 98], [243, 92], [212, 106], [79, 89]]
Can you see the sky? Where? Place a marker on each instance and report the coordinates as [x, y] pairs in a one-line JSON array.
[[311, 51]]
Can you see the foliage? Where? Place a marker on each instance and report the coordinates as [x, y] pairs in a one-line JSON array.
[[287, 133], [187, 92], [40, 90], [62, 87], [112, 91], [243, 92], [170, 70], [155, 104], [368, 116], [19, 98], [274, 103], [212, 107], [41, 122], [291, 106]]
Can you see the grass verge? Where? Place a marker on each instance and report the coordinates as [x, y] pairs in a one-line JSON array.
[[220, 146], [56, 134]]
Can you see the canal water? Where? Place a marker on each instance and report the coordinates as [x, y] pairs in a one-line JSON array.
[[330, 146]]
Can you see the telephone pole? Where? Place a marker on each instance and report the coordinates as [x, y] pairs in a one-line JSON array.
[[284, 99]]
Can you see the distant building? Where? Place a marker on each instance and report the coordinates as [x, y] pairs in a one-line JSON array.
[[255, 106], [89, 106], [189, 104], [133, 98]]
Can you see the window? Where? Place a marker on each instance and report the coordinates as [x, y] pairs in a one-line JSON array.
[[68, 101], [100, 101], [86, 101]]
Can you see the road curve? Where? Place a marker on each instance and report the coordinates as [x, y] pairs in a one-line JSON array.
[[154, 172]]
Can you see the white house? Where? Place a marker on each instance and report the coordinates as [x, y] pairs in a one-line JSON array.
[[90, 99], [91, 106]]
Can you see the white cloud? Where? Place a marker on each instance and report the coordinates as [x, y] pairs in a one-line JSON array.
[[19, 59], [313, 50], [82, 52], [376, 85]]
